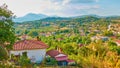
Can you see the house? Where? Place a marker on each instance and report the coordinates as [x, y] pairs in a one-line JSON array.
[[94, 38], [60, 39], [80, 45], [35, 50], [104, 38], [113, 37], [61, 58], [118, 42], [70, 62]]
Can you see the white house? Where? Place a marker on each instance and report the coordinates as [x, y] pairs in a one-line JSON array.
[[103, 38], [36, 50]]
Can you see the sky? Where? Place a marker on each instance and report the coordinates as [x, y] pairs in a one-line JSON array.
[[64, 7]]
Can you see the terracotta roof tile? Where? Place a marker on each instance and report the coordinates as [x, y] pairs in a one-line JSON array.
[[29, 45], [58, 56], [118, 41], [53, 53], [68, 60], [62, 58]]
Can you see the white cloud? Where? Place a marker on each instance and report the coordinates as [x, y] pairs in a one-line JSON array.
[[49, 7], [65, 2], [87, 7]]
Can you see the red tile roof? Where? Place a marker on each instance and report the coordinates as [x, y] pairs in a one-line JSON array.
[[57, 55], [118, 41], [29, 45], [62, 58], [68, 60], [53, 53], [113, 37], [80, 45]]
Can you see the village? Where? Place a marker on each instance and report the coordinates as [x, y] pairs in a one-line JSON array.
[[38, 52], [43, 41]]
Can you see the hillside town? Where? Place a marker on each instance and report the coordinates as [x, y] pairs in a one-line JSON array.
[[87, 41]]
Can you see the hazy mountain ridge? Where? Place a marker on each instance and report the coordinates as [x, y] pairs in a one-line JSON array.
[[41, 17], [30, 17]]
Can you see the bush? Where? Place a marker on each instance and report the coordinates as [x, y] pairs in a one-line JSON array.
[[3, 53], [24, 60]]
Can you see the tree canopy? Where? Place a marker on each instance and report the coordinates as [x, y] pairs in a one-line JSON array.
[[7, 36]]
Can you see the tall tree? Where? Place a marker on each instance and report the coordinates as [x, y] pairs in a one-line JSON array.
[[7, 36]]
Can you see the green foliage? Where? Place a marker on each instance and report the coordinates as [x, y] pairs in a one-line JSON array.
[[68, 33], [108, 33], [24, 61], [33, 33], [6, 64], [6, 27], [51, 61], [3, 53]]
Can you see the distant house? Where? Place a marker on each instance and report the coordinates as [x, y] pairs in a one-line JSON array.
[[36, 50], [42, 34], [80, 45], [94, 38], [97, 31], [118, 42], [103, 38], [62, 59], [113, 37], [45, 24], [60, 39]]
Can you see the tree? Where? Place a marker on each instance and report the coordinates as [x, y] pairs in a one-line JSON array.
[[108, 33], [33, 33], [7, 36]]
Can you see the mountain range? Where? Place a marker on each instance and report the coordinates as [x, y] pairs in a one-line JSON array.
[[42, 17], [30, 17]]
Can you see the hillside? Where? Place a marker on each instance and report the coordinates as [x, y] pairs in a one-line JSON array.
[[30, 17]]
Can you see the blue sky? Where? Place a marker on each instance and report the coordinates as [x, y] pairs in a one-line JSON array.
[[64, 7]]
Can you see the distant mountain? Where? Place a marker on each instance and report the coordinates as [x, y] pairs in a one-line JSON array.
[[41, 17], [52, 19], [30, 17], [90, 15], [113, 17]]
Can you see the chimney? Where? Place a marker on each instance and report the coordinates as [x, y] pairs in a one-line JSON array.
[[59, 50]]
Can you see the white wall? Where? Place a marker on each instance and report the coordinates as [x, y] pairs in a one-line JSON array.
[[38, 54], [117, 43]]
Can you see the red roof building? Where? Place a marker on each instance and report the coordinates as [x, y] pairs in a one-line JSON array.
[[118, 42], [61, 57], [113, 37], [52, 53], [35, 50], [29, 45], [58, 56], [80, 45], [70, 62]]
